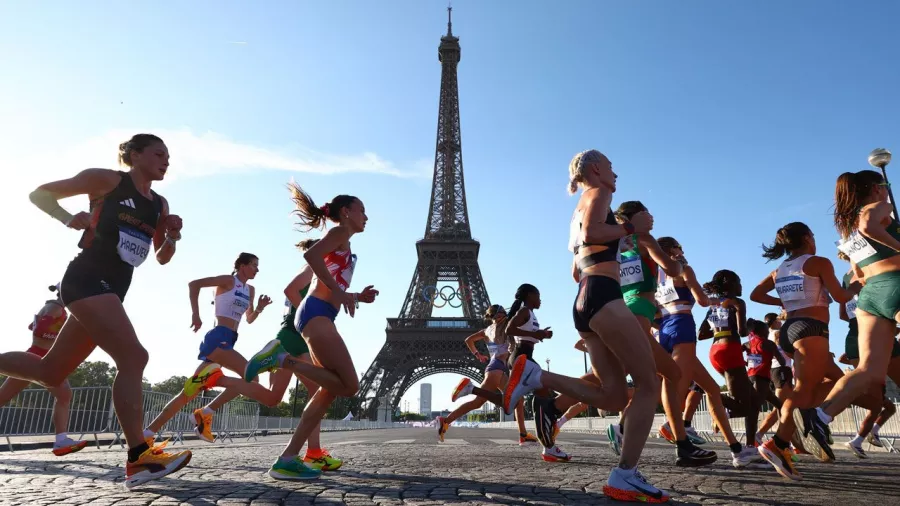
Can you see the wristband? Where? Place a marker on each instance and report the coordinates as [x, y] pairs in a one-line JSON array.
[[629, 228]]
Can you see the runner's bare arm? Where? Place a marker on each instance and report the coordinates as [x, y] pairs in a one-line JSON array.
[[168, 232], [824, 270], [872, 224], [690, 279], [300, 281], [91, 182], [760, 294], [668, 264]]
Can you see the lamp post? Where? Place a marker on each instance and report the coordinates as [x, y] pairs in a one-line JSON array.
[[881, 158], [548, 365]]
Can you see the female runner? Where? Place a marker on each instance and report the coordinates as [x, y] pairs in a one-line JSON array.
[[125, 217], [332, 263], [870, 236], [612, 335], [44, 330], [803, 283]]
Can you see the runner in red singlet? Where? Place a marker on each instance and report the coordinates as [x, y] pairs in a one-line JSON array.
[[44, 330]]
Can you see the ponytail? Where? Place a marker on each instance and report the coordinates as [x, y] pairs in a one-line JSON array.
[[789, 239], [312, 216]]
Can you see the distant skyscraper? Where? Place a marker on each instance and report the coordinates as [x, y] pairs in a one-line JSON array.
[[425, 399]]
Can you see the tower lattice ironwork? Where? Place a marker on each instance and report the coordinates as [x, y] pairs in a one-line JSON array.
[[418, 344]]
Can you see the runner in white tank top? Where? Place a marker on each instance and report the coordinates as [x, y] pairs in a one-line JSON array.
[[233, 300]]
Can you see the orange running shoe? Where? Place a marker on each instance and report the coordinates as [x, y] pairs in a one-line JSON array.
[[204, 425], [527, 439], [203, 380], [666, 433], [443, 427], [154, 464], [68, 446], [780, 459]]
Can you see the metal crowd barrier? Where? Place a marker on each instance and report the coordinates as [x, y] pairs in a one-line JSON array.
[[92, 413]]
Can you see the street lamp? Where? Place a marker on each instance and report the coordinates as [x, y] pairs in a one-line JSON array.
[[881, 158], [548, 365]]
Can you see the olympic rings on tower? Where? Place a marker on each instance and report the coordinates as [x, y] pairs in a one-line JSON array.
[[431, 294]]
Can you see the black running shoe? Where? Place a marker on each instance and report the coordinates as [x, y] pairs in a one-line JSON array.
[[691, 455], [545, 417], [815, 427]]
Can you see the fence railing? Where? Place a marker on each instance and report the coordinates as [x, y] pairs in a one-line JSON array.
[[92, 413]]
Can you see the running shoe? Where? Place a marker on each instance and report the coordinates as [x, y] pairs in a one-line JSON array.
[[815, 434], [545, 417], [443, 427], [265, 360], [67, 446], [204, 425], [464, 388], [747, 456], [293, 469], [203, 380], [524, 378], [693, 456], [874, 440], [555, 454], [694, 437], [322, 460], [666, 433], [780, 459], [614, 433], [154, 464], [630, 485], [528, 439], [857, 450]]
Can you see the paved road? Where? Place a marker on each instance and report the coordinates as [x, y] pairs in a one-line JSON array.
[[407, 466]]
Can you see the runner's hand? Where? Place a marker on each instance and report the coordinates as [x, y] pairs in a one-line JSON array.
[[264, 301], [368, 295], [546, 333], [80, 221], [348, 301], [481, 358], [195, 322], [173, 225]]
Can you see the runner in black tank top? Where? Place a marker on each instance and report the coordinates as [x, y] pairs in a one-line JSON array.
[[125, 218]]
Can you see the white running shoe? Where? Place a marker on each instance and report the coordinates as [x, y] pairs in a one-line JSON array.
[[630, 485], [857, 450], [464, 388], [555, 454], [747, 456], [524, 378]]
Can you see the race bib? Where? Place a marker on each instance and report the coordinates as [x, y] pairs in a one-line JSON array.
[[856, 247], [850, 305], [240, 305], [287, 306], [665, 292], [718, 317], [134, 246], [630, 271], [754, 360], [790, 287]]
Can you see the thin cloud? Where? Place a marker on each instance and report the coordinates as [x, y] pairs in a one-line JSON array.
[[200, 155]]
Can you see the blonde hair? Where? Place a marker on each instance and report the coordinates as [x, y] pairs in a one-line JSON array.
[[577, 165]]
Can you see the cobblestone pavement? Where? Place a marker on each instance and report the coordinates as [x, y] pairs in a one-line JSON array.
[[407, 466]]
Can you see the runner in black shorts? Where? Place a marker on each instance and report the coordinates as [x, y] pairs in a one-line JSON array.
[[615, 341], [125, 218]]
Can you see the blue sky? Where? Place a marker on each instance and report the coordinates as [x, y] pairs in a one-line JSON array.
[[726, 120]]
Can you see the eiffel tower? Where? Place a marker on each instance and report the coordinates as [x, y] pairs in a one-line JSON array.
[[420, 345]]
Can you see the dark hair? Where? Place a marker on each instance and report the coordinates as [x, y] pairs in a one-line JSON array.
[[243, 259], [722, 283], [668, 244], [312, 216], [52, 288], [305, 244], [524, 290], [771, 318], [628, 209], [789, 238], [136, 144], [757, 327], [851, 190]]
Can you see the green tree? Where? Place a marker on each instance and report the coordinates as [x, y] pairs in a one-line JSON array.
[[93, 374], [170, 386]]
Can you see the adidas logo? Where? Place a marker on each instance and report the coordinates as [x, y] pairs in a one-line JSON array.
[[128, 203]]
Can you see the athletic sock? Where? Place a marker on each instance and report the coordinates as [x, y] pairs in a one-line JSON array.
[[136, 452]]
